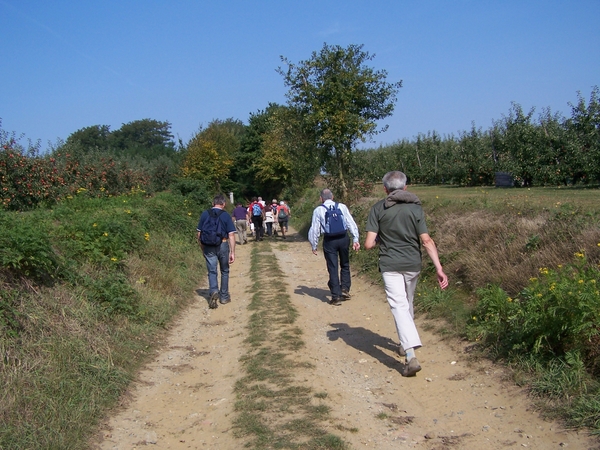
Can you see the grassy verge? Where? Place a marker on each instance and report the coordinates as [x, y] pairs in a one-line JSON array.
[[86, 291], [274, 407]]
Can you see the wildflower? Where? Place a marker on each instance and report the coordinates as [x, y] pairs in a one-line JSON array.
[[147, 236], [544, 270], [113, 259], [474, 317], [105, 234], [538, 295], [189, 214], [509, 300], [533, 279], [579, 254], [553, 286], [580, 281], [560, 266], [95, 225], [593, 281], [128, 211]]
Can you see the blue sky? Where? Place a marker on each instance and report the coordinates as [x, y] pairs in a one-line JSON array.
[[72, 64]]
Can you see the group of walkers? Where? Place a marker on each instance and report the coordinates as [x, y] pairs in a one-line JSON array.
[[396, 225], [257, 216]]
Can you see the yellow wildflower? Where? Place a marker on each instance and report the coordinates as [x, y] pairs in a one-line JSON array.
[[147, 236], [509, 300], [579, 254], [113, 259], [105, 234], [580, 281], [533, 279], [95, 225]]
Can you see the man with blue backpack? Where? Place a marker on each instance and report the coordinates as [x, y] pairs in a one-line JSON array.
[[334, 220], [256, 215], [216, 235]]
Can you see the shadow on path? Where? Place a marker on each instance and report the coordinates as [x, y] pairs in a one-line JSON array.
[[319, 294], [204, 293], [367, 342]]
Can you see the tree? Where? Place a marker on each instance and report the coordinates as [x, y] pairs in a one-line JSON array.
[[146, 133], [95, 137], [213, 150], [340, 99], [584, 129]]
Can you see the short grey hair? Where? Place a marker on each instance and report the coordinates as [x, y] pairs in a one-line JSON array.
[[394, 180], [219, 199], [326, 194]]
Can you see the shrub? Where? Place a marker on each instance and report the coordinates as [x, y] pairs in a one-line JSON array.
[[558, 312], [25, 249]]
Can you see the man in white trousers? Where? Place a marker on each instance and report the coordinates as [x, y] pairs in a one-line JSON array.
[[397, 225]]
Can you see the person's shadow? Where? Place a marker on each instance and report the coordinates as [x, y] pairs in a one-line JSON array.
[[203, 293], [367, 342], [319, 294]]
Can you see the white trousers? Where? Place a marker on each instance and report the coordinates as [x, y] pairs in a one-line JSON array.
[[400, 290]]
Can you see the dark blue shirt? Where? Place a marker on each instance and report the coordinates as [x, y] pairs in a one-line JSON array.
[[224, 217]]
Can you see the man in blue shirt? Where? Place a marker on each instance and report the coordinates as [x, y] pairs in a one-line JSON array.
[[336, 248], [222, 254]]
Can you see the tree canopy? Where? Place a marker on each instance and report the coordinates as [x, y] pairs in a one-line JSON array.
[[213, 150], [341, 99]]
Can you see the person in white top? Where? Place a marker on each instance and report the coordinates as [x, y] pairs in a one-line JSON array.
[[336, 243]]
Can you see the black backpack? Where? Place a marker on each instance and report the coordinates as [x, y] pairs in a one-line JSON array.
[[213, 232]]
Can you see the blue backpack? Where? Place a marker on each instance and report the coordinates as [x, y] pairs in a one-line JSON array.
[[256, 210], [213, 230], [334, 221]]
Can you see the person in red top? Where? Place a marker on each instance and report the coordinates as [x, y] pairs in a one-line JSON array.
[[283, 215], [256, 214]]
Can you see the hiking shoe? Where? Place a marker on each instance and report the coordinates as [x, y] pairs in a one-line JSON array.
[[212, 302], [411, 368], [346, 295], [224, 302], [335, 301]]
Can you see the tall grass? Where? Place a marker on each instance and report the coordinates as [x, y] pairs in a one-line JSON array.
[[87, 288]]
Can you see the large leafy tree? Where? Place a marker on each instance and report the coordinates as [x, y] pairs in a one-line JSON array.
[[275, 156], [213, 150], [95, 137], [147, 137], [341, 99]]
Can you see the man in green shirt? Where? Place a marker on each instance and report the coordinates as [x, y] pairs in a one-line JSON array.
[[397, 224]]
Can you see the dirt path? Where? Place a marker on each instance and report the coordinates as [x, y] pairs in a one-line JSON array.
[[184, 399]]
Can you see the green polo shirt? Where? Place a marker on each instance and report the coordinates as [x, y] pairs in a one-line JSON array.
[[398, 229]]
